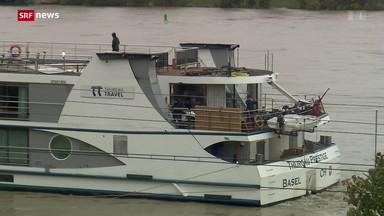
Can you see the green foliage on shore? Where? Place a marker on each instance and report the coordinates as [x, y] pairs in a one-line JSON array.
[[366, 194], [16, 2], [171, 3], [245, 4], [143, 3], [341, 4], [263, 4]]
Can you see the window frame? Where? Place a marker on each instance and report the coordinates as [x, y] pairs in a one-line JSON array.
[[51, 151]]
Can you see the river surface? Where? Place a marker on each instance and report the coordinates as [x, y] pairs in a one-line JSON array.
[[313, 51]]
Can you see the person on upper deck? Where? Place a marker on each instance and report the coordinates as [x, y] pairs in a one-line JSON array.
[[115, 42], [250, 103]]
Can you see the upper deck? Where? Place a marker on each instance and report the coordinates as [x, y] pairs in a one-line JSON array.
[[185, 87], [189, 59], [212, 72]]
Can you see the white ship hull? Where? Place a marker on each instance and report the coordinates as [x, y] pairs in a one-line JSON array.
[[272, 183], [184, 177], [105, 129]]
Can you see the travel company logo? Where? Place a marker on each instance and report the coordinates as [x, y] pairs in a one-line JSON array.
[[115, 92], [30, 15]]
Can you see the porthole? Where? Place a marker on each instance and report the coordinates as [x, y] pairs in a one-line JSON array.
[[60, 147]]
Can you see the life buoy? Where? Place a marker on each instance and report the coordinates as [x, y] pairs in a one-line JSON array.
[[259, 122], [15, 54]]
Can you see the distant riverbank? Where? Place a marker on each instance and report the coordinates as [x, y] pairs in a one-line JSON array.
[[256, 4]]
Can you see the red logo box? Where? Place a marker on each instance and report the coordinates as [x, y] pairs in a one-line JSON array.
[[25, 15]]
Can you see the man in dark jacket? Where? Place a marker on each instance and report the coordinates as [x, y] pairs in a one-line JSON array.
[[115, 42], [250, 103]]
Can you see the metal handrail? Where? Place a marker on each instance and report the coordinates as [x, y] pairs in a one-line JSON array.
[[76, 47]]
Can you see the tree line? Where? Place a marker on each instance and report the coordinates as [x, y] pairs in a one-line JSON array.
[[257, 4], [341, 4]]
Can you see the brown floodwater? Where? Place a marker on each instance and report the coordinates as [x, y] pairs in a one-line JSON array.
[[313, 51]]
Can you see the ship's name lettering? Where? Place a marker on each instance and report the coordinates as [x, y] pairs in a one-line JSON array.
[[307, 161], [323, 172], [291, 182], [114, 92], [58, 82]]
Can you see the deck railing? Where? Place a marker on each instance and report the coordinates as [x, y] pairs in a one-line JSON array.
[[21, 156], [76, 49], [19, 51], [235, 119], [41, 62], [228, 119], [23, 55]]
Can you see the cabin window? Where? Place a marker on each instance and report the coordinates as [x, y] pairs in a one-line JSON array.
[[60, 147], [293, 142], [188, 95], [162, 61], [187, 57], [13, 102], [6, 178], [120, 144], [14, 147], [260, 147], [227, 150]]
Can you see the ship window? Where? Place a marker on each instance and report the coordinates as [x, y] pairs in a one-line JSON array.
[[260, 147], [60, 147], [13, 102], [186, 56], [292, 142], [188, 95], [6, 178], [14, 147], [120, 144], [227, 150]]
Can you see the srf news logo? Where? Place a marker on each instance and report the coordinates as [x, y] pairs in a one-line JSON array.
[[29, 15]]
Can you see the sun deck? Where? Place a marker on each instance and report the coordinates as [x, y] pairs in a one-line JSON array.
[[188, 59], [58, 58], [213, 72], [42, 66], [75, 66]]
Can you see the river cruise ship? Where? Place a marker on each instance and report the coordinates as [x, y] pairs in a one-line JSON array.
[[180, 123]]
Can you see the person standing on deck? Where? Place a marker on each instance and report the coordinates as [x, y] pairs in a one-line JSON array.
[[115, 42], [250, 103]]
